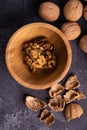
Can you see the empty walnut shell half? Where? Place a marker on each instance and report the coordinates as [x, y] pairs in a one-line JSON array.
[[72, 82], [47, 117], [57, 89], [34, 104], [57, 103], [70, 96], [73, 111]]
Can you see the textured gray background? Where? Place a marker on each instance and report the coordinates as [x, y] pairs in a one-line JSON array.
[[14, 115]]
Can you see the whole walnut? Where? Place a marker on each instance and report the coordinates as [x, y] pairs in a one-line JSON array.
[[71, 30], [85, 13], [73, 10], [49, 11], [73, 111], [83, 43]]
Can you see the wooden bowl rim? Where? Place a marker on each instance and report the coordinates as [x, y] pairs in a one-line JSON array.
[[69, 59]]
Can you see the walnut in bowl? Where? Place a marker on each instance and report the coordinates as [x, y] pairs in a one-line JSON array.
[[14, 57]]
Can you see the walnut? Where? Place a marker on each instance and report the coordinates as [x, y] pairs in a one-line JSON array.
[[72, 82], [71, 30], [47, 117], [73, 10], [34, 104], [70, 96], [57, 103], [39, 54], [49, 11], [83, 43], [85, 13], [73, 111], [57, 89]]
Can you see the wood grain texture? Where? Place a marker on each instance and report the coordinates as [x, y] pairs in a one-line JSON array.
[[14, 58]]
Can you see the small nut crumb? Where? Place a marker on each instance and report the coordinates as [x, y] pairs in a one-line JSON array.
[[55, 90], [72, 82], [83, 43], [81, 95], [57, 103], [47, 117], [73, 111], [34, 104]]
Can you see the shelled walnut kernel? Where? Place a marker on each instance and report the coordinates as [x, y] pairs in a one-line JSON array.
[[39, 54]]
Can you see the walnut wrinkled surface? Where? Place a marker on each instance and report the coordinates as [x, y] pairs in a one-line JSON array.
[[39, 54]]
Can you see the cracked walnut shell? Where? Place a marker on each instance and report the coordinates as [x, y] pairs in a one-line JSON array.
[[72, 82], [72, 95], [73, 10], [57, 103], [73, 111], [47, 117], [71, 30], [57, 89], [34, 104]]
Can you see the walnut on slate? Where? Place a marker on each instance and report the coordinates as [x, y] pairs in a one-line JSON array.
[[34, 104], [73, 111], [56, 89], [57, 103], [47, 117], [70, 96], [72, 82]]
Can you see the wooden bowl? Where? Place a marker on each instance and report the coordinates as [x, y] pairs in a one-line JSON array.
[[18, 69]]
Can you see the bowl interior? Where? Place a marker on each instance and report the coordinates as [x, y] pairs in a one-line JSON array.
[[15, 58]]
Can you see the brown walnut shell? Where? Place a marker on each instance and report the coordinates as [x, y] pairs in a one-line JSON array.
[[49, 11], [47, 117], [85, 13], [57, 103], [72, 82], [71, 30], [73, 10], [73, 111], [83, 43], [57, 89], [34, 104]]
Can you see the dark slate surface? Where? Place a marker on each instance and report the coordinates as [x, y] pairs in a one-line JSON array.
[[14, 115]]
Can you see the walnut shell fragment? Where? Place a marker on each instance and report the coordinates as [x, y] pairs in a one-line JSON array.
[[70, 96], [34, 104], [72, 82], [57, 103], [81, 95], [47, 117], [73, 111], [57, 89]]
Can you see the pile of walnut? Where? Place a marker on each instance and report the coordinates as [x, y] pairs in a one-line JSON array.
[[59, 101], [39, 54], [73, 11]]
